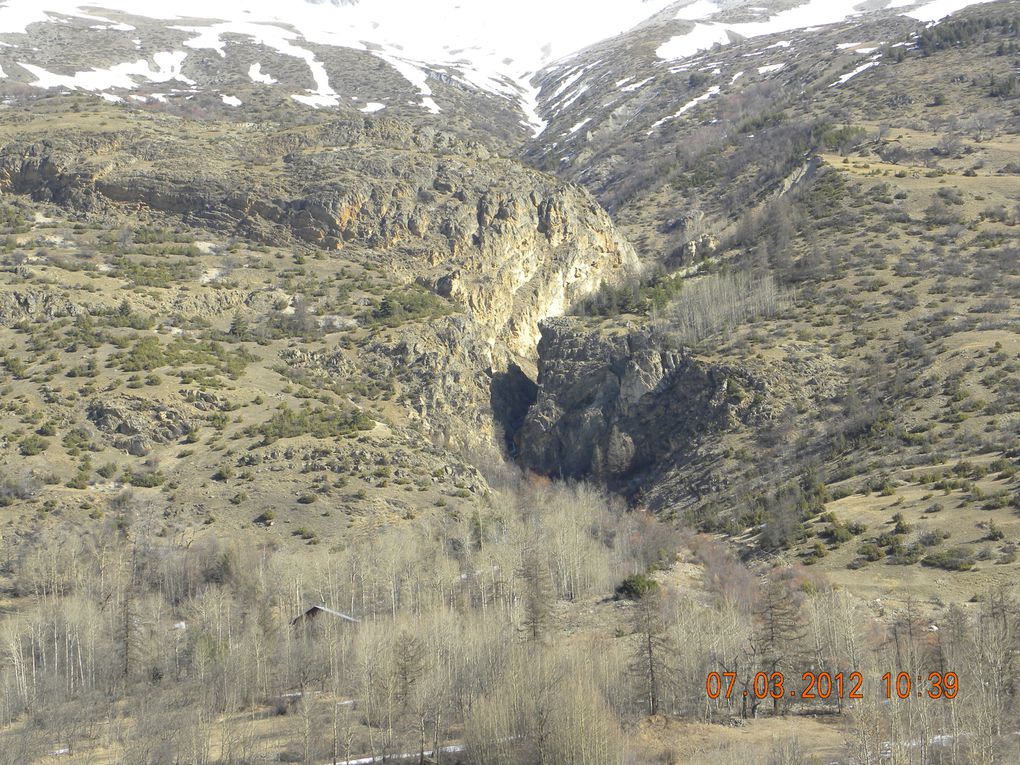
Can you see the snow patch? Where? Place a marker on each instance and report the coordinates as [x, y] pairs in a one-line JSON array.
[[699, 9], [274, 37], [701, 37], [814, 13], [579, 125], [850, 75], [636, 85], [231, 100], [569, 80], [770, 68], [256, 74], [939, 9], [316, 101], [118, 76], [372, 106], [415, 74], [712, 91]]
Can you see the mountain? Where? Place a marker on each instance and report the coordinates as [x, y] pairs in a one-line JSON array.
[[456, 56], [562, 354]]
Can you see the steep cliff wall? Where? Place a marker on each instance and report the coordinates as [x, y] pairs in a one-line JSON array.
[[621, 409], [507, 245], [512, 245]]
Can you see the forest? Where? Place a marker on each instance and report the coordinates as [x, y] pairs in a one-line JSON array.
[[539, 630]]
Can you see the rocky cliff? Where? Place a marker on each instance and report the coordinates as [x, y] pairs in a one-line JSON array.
[[507, 246], [623, 409], [510, 244]]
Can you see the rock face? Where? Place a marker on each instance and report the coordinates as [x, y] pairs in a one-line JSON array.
[[511, 244], [33, 305], [623, 410], [612, 406], [135, 424]]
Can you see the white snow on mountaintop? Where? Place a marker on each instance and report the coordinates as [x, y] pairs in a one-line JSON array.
[[939, 9], [494, 46], [699, 9], [809, 14]]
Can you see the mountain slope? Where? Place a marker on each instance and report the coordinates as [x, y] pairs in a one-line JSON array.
[[838, 312]]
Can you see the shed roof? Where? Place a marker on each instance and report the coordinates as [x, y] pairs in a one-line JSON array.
[[314, 611]]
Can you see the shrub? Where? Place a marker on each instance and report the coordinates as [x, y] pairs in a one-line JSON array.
[[32, 445], [908, 555], [932, 538], [145, 480], [856, 528], [636, 586], [838, 533], [871, 551], [1008, 554], [320, 423], [950, 559]]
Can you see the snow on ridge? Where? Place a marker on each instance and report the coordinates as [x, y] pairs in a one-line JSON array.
[[698, 10], [494, 46], [701, 37], [806, 16], [939, 9]]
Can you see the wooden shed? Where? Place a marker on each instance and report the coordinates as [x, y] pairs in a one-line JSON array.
[[314, 613]]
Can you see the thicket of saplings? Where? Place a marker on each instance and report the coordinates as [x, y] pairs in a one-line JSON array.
[[534, 631]]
